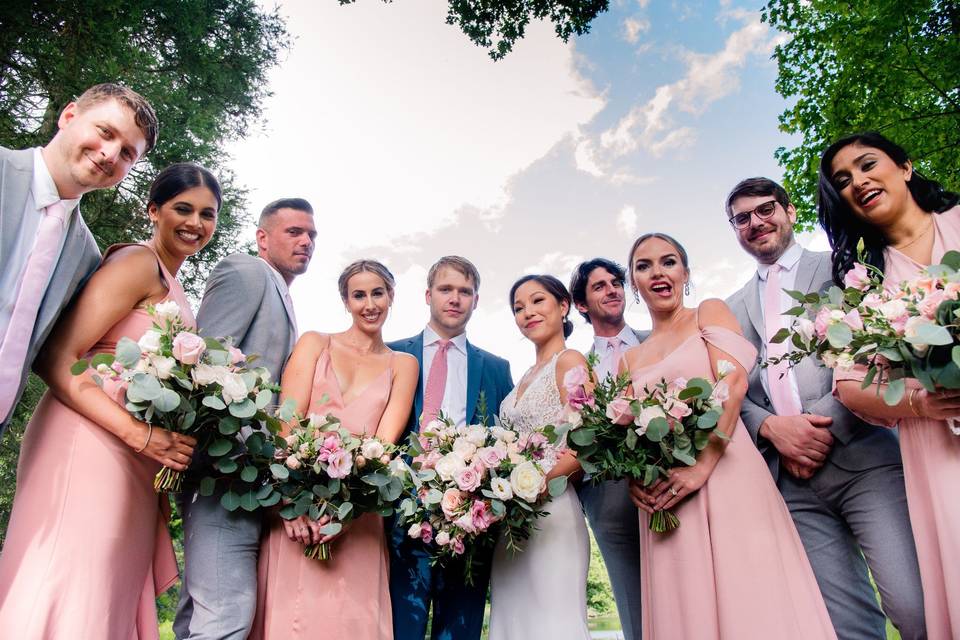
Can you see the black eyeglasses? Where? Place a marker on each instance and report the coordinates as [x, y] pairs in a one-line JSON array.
[[763, 211]]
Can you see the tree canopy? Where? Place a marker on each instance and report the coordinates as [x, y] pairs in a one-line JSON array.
[[891, 66], [201, 63], [496, 25]]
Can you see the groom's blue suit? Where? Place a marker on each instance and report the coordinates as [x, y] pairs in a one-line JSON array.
[[414, 584]]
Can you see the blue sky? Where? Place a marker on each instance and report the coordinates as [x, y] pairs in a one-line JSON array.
[[412, 144]]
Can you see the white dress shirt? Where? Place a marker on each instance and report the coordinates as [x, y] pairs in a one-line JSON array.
[[602, 347], [454, 404], [285, 292], [788, 262], [43, 193]]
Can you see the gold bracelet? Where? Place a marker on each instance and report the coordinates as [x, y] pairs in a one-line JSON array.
[[149, 433], [913, 409]]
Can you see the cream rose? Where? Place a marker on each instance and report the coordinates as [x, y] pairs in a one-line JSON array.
[[371, 448], [448, 465], [168, 310], [527, 481], [464, 448], [163, 366], [150, 341], [501, 488], [234, 388]]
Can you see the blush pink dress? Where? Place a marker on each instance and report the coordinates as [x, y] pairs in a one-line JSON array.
[[931, 467], [87, 550], [347, 596], [735, 569]]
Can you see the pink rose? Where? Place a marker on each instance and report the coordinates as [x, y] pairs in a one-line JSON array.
[[853, 320], [426, 532], [457, 545], [236, 356], [465, 523], [618, 410], [871, 301], [679, 384], [578, 398], [451, 502], [537, 440], [952, 290], [428, 460], [926, 285], [490, 457], [821, 322], [575, 377], [482, 515], [929, 305], [339, 464], [467, 479], [188, 347], [858, 277], [677, 409]]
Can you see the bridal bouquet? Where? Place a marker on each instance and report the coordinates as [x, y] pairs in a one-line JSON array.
[[202, 387], [322, 470], [468, 484], [666, 425], [907, 330]]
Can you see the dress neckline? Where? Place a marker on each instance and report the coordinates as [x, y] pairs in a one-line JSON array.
[[362, 392], [518, 396], [683, 343]]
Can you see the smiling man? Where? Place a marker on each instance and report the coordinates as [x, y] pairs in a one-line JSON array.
[[46, 250], [248, 298], [455, 375], [597, 290], [841, 478]]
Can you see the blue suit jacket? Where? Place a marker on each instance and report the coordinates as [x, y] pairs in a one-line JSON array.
[[485, 372]]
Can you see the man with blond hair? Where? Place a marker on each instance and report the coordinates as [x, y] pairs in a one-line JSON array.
[[46, 250]]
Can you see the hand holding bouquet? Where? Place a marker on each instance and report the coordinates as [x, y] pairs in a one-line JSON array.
[[174, 379], [325, 472]]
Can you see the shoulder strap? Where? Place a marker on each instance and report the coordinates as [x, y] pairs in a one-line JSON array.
[[165, 276]]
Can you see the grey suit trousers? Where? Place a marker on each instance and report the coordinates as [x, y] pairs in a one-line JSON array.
[[223, 544], [615, 523]]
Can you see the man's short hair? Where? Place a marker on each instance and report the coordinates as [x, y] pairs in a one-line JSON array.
[[143, 113], [456, 263], [581, 273], [752, 187], [283, 203]]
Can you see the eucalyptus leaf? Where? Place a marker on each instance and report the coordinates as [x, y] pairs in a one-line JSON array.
[[249, 473], [230, 501], [279, 471], [128, 352], [931, 334], [839, 335], [345, 511], [433, 497], [708, 420], [557, 486], [270, 500], [220, 447], [582, 436], [249, 502], [228, 425], [207, 486], [246, 408], [331, 528], [894, 392], [167, 401], [264, 398], [684, 456], [226, 465], [144, 388], [213, 402], [657, 429]]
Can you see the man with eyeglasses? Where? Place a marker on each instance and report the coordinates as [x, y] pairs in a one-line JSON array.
[[841, 478]]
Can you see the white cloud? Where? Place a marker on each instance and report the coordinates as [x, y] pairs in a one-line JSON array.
[[633, 27], [627, 221], [555, 263]]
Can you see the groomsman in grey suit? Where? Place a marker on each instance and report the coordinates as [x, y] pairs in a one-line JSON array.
[[248, 298], [46, 250], [841, 478], [597, 290]]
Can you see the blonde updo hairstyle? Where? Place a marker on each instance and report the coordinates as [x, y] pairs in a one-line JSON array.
[[359, 266]]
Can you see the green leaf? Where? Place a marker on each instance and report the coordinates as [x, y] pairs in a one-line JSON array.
[[79, 367], [780, 335], [226, 465], [868, 379], [249, 473], [708, 420], [228, 425], [102, 358], [270, 500], [951, 259], [894, 392], [839, 335], [220, 447], [684, 456], [128, 352], [279, 471], [631, 439], [144, 388], [207, 486], [557, 486], [701, 439], [931, 334], [213, 402], [345, 511], [955, 355], [167, 401], [214, 345], [657, 429], [230, 501], [331, 528], [264, 398], [249, 502], [582, 436], [246, 408], [799, 296]]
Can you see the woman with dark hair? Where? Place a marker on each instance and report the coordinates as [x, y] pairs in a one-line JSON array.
[[870, 190], [541, 593], [354, 376], [87, 550], [735, 568]]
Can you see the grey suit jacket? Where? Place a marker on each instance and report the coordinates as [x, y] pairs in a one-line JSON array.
[[243, 300], [857, 445], [78, 260]]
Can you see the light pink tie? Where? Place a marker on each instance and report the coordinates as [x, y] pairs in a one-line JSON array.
[[32, 287], [293, 316], [436, 383], [778, 377], [613, 348]]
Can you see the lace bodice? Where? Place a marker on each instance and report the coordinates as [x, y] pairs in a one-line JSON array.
[[538, 406]]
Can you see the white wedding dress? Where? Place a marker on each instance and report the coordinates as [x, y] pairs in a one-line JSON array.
[[541, 592]]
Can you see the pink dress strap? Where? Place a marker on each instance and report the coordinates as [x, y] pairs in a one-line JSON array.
[[731, 343]]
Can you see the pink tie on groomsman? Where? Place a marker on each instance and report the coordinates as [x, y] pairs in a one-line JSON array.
[[33, 285], [436, 383], [778, 378]]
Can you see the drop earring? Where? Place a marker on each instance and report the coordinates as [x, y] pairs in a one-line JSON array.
[[686, 288]]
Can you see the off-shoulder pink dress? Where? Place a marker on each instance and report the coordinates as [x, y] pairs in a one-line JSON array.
[[735, 568], [931, 467], [87, 550], [347, 596]]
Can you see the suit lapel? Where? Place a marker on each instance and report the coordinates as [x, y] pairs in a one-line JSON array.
[[751, 298], [474, 379], [806, 271], [14, 189], [415, 348], [287, 304]]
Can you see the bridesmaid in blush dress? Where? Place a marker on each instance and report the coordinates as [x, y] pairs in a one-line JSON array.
[[354, 376], [735, 568], [87, 549], [869, 190]]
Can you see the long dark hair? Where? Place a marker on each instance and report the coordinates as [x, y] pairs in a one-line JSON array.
[[844, 229], [555, 288], [179, 177]]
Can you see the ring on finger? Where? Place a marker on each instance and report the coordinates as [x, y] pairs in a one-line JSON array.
[[673, 491]]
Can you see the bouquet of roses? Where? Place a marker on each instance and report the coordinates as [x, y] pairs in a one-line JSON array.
[[906, 330], [666, 425], [469, 484], [173, 378], [322, 470]]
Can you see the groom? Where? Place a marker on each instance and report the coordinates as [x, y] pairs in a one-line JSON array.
[[248, 298], [597, 290], [453, 375]]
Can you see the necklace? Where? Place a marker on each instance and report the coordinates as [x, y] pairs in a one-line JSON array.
[[915, 240]]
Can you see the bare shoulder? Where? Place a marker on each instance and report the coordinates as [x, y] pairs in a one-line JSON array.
[[406, 362], [312, 341], [715, 312], [570, 358], [132, 256]]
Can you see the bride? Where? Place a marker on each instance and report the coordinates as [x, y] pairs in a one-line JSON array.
[[541, 592]]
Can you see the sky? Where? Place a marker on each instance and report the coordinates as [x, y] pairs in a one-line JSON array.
[[411, 144]]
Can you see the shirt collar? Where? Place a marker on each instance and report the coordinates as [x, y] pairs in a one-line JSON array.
[[44, 189], [626, 335], [430, 337], [277, 276], [787, 261]]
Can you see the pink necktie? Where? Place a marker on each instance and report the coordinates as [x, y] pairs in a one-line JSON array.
[[613, 348], [778, 378], [436, 383], [32, 287], [293, 316]]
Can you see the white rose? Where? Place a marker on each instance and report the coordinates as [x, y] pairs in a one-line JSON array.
[[501, 488], [443, 538], [143, 366], [150, 341], [893, 309], [414, 530], [573, 418], [448, 465], [477, 434], [725, 368], [913, 324], [234, 388], [204, 374], [464, 448], [371, 448], [435, 426], [646, 415], [527, 481], [805, 328], [163, 365], [829, 359], [168, 310]]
